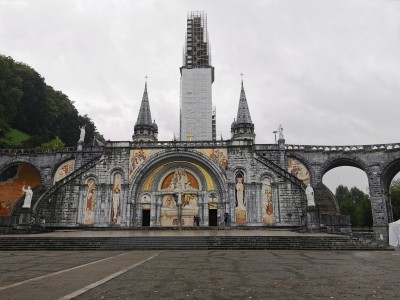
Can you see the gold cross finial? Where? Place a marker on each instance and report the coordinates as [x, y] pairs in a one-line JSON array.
[[190, 136]]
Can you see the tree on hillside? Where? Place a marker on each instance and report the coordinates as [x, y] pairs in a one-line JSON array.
[[28, 104]]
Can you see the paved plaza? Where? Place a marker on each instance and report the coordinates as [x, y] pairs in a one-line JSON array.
[[200, 275]]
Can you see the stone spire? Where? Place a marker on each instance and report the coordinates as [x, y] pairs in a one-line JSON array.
[[145, 130], [243, 115], [243, 128]]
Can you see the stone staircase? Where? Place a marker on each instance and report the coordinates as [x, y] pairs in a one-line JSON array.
[[282, 172], [333, 242]]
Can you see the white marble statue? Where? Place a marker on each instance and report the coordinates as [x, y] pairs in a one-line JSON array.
[[28, 197], [240, 194], [82, 136], [280, 131], [115, 204], [310, 195]]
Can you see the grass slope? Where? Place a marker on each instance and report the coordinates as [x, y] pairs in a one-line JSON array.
[[15, 137]]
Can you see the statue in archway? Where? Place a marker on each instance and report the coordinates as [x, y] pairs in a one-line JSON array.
[[28, 197], [310, 195]]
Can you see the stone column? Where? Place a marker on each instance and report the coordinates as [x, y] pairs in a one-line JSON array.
[[378, 205], [153, 211], [202, 209], [282, 154], [128, 214], [389, 207], [139, 213], [231, 199], [259, 203], [158, 200], [276, 204], [179, 209]]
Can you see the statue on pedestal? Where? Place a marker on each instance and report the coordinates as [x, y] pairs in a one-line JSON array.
[[82, 135], [28, 197], [310, 195], [280, 131]]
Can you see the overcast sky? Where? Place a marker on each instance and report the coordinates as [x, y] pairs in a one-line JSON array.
[[328, 71]]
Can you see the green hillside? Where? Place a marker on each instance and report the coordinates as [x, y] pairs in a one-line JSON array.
[[32, 112], [14, 137]]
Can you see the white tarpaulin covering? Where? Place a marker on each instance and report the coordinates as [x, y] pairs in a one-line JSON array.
[[394, 233]]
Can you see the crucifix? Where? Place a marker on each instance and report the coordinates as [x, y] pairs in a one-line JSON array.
[[190, 136]]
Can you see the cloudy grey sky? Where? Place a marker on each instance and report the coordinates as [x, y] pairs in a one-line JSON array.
[[328, 71]]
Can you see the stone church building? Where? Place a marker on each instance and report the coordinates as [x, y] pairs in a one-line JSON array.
[[146, 182], [196, 179]]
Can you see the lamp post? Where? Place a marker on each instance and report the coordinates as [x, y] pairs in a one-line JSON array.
[[275, 132]]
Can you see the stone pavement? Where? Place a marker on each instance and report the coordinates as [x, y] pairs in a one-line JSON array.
[[200, 275]]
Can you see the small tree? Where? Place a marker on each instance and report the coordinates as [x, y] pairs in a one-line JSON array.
[[54, 144]]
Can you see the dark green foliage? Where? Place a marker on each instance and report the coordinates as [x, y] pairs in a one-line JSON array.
[[53, 144], [356, 204], [31, 106], [342, 193], [394, 193]]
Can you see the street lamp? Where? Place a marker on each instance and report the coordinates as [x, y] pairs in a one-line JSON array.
[[275, 132]]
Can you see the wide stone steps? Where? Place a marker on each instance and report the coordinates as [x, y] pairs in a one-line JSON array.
[[187, 243]]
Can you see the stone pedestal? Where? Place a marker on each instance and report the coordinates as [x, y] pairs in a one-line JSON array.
[[24, 221], [313, 223]]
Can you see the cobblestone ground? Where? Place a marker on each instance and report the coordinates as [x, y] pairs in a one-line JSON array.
[[200, 275]]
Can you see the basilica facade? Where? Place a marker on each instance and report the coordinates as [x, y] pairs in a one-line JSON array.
[[193, 181], [147, 182]]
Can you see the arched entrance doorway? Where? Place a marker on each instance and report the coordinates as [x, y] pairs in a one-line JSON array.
[[178, 190]]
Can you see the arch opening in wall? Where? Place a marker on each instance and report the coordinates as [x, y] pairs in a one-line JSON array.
[[12, 180], [347, 185], [391, 181]]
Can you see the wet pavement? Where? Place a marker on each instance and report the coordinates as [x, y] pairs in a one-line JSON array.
[[200, 275]]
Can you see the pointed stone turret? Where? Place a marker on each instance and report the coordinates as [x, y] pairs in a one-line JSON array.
[[145, 130], [243, 128]]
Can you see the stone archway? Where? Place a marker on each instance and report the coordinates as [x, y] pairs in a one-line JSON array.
[[341, 161], [175, 202]]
